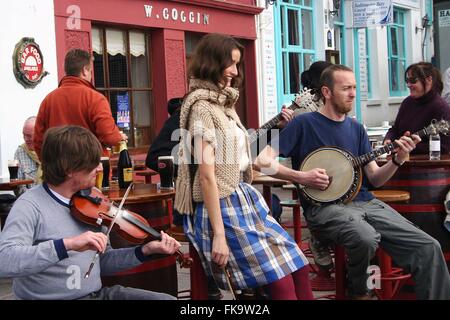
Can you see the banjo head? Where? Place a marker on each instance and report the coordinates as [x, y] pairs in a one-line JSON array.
[[338, 166]]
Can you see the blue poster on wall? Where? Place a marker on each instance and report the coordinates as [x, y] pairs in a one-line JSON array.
[[123, 110]]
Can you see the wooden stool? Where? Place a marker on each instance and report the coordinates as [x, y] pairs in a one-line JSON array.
[[297, 224], [320, 281], [199, 281], [392, 279]]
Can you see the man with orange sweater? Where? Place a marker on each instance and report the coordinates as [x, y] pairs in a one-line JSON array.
[[76, 102]]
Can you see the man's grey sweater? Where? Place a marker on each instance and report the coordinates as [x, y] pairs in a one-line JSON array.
[[33, 253]]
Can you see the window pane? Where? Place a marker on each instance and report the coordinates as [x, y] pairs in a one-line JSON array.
[[293, 28], [117, 71], [400, 18], [99, 76], [294, 72], [308, 59], [283, 21], [190, 41], [139, 60], [394, 75], [298, 2], [337, 37], [285, 74], [139, 72], [395, 16], [401, 78], [307, 3], [115, 43], [141, 118], [97, 48], [401, 49], [307, 33], [394, 45]]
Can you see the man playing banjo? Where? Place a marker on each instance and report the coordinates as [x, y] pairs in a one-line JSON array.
[[359, 222]]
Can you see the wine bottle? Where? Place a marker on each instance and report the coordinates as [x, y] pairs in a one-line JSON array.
[[124, 166]]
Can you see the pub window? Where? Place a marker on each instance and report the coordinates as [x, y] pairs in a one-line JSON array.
[[296, 44], [122, 74], [397, 54]]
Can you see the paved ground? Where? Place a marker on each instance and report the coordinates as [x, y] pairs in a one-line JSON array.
[[183, 274]]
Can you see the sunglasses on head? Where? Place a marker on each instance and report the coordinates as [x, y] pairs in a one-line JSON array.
[[411, 80]]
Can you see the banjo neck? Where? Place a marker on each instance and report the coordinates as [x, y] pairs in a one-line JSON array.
[[272, 123], [364, 159]]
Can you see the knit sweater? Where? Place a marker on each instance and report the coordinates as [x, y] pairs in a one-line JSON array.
[[76, 102], [416, 114], [209, 110]]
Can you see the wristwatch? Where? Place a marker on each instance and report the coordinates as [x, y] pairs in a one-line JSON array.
[[394, 161]]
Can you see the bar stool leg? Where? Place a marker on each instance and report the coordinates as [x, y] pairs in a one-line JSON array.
[[339, 262], [199, 281], [297, 225], [267, 195], [296, 211], [385, 268]]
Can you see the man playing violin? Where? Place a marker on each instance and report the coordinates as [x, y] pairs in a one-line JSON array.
[[47, 251], [363, 224]]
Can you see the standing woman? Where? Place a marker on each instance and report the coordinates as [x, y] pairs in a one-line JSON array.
[[423, 104], [226, 219]]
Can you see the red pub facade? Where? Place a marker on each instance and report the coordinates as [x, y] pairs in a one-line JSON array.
[[142, 49]]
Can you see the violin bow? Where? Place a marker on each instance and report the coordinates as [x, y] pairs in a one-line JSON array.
[[109, 228], [230, 287]]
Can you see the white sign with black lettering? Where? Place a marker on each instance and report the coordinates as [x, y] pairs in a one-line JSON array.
[[444, 18], [372, 13], [362, 55]]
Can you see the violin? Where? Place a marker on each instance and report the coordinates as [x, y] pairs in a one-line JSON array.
[[91, 206]]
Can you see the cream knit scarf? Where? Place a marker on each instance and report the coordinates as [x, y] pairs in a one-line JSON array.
[[199, 90]]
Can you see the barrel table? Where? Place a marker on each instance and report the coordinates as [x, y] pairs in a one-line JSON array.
[[159, 273], [428, 182]]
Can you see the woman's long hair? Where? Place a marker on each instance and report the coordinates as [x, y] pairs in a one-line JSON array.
[[212, 56]]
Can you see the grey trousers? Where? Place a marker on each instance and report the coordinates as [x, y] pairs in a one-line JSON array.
[[125, 293], [363, 226]]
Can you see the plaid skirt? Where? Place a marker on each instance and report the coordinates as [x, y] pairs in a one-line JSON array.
[[261, 251]]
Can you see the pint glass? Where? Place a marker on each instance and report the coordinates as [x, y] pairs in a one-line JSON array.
[[13, 167], [106, 169], [166, 171], [99, 179]]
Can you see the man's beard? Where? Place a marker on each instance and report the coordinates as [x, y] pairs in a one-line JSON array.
[[340, 107]]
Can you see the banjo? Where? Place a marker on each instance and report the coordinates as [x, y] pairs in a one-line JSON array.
[[344, 169]]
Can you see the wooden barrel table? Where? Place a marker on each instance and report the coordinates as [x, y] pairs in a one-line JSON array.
[[428, 182], [159, 273]]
